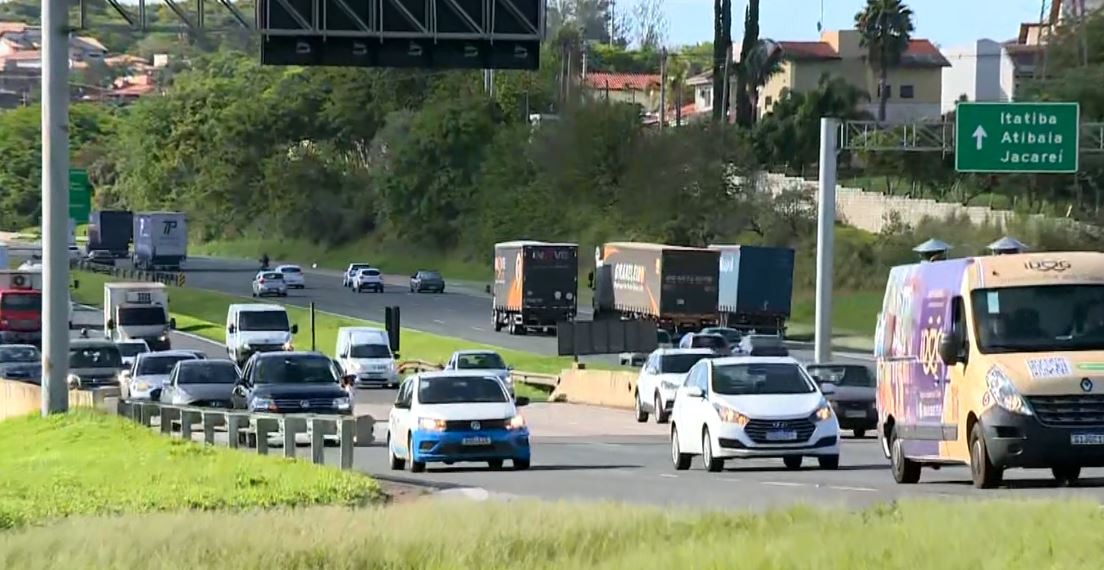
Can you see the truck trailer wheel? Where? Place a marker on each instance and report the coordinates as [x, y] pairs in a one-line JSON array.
[[496, 321]]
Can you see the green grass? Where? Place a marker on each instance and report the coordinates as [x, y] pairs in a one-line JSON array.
[[86, 462], [432, 535], [203, 313], [854, 315]]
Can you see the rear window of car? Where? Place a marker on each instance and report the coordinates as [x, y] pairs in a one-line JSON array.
[[290, 270], [272, 276], [429, 275], [370, 272]]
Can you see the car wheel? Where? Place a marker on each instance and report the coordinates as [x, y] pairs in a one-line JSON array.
[[641, 415], [711, 464], [1066, 475], [860, 433], [829, 462], [660, 414], [495, 464], [415, 466], [982, 471], [397, 463], [792, 461], [521, 464], [905, 470], [678, 458]]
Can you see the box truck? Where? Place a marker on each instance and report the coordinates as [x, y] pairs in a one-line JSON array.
[[535, 285], [760, 300], [160, 240], [111, 231], [20, 307], [672, 285], [138, 311]]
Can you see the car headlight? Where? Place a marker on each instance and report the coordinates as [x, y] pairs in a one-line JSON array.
[[824, 412], [342, 403], [141, 386], [516, 422], [570, 295], [1004, 393], [263, 404], [246, 346], [730, 416], [288, 346], [669, 385], [163, 338], [431, 424], [74, 380]]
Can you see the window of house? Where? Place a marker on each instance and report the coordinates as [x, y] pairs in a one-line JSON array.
[[906, 91], [888, 90], [768, 101]]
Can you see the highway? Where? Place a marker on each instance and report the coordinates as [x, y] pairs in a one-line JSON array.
[[599, 454]]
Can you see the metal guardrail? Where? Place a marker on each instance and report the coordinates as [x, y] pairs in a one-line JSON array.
[[537, 379], [247, 429], [176, 278]]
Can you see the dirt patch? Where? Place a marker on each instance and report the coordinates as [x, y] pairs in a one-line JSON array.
[[402, 493]]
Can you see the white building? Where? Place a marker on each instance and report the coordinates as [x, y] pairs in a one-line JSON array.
[[983, 71]]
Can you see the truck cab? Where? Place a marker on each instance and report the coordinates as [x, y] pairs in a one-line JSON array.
[[995, 362], [138, 311], [20, 307]]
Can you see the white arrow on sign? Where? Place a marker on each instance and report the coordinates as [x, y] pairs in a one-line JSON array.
[[520, 52], [359, 48], [979, 135], [415, 50], [471, 51]]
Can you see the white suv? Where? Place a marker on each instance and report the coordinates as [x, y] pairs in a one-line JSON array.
[[746, 407], [351, 272], [659, 380]]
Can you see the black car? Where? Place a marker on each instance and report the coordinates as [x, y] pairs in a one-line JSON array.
[[427, 281], [293, 383], [101, 257], [202, 383], [762, 345], [21, 362], [855, 395]]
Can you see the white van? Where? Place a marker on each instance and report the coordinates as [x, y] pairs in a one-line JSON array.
[[366, 353], [255, 327]]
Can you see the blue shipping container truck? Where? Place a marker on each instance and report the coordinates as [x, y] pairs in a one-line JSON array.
[[755, 289]]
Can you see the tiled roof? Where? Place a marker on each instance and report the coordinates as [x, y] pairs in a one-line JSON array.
[[920, 53], [808, 50], [622, 81]]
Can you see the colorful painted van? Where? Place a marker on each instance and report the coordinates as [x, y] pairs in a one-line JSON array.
[[995, 362]]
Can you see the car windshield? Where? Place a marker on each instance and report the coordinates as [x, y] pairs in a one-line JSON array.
[[858, 376], [19, 354], [679, 363], [207, 372], [21, 301], [731, 336], [263, 321], [460, 390], [1041, 318], [760, 378], [290, 270], [141, 316], [370, 351], [295, 369], [95, 357], [160, 365], [128, 349], [707, 341], [480, 361]]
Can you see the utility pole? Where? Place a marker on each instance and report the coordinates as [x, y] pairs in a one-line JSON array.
[[55, 206], [488, 82], [826, 223], [662, 87]]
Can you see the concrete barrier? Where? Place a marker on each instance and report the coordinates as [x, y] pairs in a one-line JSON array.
[[596, 387], [20, 399]]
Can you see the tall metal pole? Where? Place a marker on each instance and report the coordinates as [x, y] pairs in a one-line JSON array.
[[55, 206], [826, 221], [662, 87]]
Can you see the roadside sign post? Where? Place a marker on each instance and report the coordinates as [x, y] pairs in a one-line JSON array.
[[1039, 138], [80, 195]]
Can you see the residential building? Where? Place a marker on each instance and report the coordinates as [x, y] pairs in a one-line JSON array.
[[639, 88], [915, 85], [983, 71]]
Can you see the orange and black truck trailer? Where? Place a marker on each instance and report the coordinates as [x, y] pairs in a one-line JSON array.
[[535, 285], [672, 285]]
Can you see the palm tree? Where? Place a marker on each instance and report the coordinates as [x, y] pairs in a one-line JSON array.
[[886, 26], [764, 61]]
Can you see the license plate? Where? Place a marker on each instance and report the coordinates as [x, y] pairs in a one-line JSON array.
[[781, 435], [855, 414], [476, 441], [1087, 439]]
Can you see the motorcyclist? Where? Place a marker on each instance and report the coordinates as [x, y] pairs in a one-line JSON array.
[[264, 261]]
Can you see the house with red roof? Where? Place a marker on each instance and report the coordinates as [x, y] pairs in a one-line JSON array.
[[639, 88]]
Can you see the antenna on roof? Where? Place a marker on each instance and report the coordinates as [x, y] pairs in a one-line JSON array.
[[820, 22]]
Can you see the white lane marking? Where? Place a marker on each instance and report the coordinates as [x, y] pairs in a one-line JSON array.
[[478, 329], [783, 484], [859, 489], [732, 480], [439, 321], [668, 476]]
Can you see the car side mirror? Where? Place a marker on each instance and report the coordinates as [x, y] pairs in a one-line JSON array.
[[949, 349], [125, 373], [294, 329], [239, 391], [695, 392], [827, 388], [231, 329], [402, 405], [348, 380], [172, 324], [110, 324], [521, 401]]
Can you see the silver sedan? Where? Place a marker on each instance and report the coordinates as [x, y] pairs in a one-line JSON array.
[[270, 283]]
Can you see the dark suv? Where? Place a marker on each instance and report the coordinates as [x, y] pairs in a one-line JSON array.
[[293, 383]]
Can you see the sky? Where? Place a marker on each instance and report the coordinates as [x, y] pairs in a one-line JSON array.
[[948, 23]]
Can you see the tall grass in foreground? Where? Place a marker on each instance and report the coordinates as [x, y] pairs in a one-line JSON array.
[[529, 535]]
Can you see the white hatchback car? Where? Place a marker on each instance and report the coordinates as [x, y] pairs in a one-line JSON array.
[[270, 283], [369, 279], [293, 276], [748, 407], [349, 278], [660, 378]]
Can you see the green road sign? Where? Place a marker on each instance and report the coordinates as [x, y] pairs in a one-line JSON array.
[[1017, 137], [80, 195]]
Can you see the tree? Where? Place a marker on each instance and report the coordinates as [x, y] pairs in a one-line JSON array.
[[762, 63], [722, 54], [744, 110], [650, 23], [886, 27]]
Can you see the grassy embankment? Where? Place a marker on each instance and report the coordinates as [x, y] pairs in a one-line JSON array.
[[203, 313], [87, 463], [539, 536], [853, 313]]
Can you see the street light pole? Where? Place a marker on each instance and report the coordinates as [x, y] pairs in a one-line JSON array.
[[55, 206], [826, 221]]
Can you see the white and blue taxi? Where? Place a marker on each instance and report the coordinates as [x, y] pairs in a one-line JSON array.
[[456, 416]]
